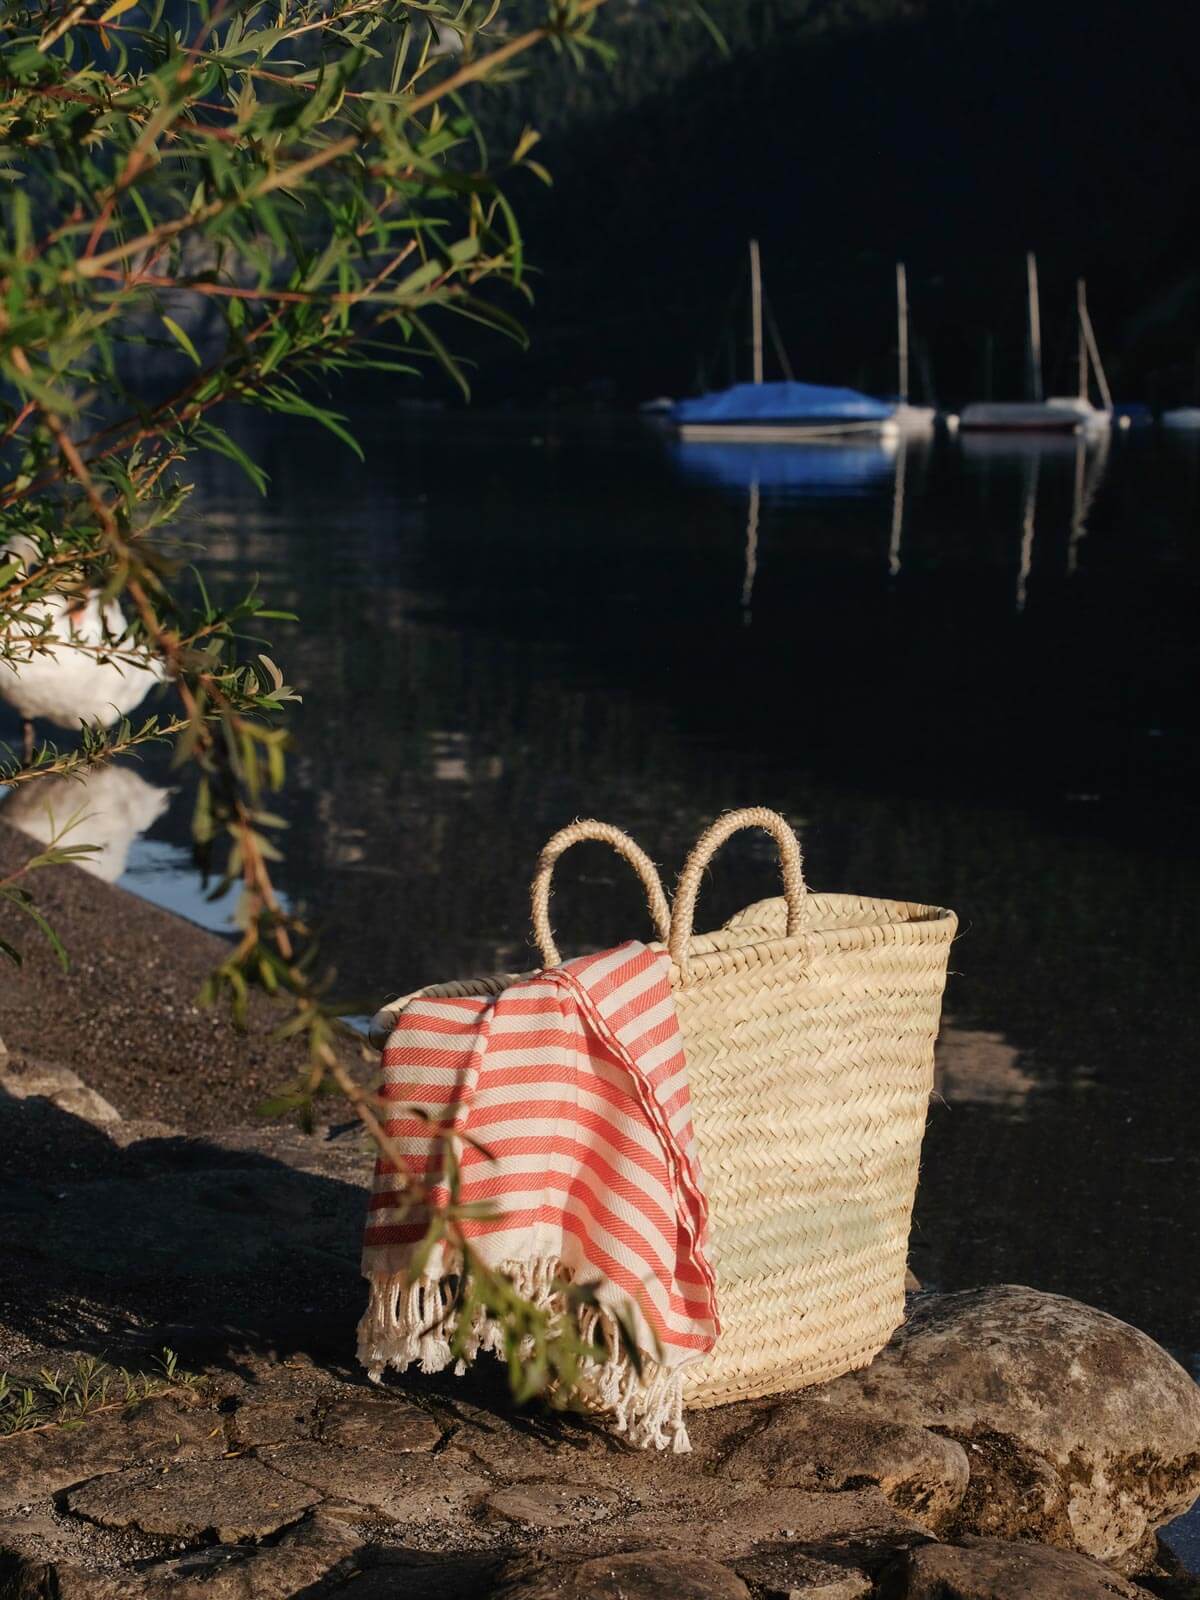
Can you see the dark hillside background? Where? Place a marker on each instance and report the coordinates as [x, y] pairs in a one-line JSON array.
[[954, 134]]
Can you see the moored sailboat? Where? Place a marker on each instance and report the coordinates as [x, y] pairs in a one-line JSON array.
[[1035, 415], [779, 412], [1092, 419]]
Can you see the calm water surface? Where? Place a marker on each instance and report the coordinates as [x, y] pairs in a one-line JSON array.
[[966, 671]]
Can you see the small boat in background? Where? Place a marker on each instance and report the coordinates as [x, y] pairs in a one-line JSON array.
[[1133, 414], [1182, 418], [1035, 415], [1092, 419], [781, 412], [1015, 416]]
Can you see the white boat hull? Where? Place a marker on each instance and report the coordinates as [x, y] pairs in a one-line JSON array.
[[1016, 417], [912, 421], [1092, 419], [784, 432]]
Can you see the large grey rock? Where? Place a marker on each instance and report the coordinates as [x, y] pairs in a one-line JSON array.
[[1000, 1569], [1080, 1431], [804, 1446]]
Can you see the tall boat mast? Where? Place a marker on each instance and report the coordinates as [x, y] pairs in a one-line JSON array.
[[1035, 329], [756, 311], [1088, 339], [902, 320]]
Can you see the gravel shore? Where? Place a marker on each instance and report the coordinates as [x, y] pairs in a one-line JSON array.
[[125, 1015]]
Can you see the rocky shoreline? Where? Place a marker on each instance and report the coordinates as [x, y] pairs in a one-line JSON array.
[[1007, 1443]]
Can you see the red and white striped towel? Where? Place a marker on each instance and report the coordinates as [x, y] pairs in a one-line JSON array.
[[575, 1082]]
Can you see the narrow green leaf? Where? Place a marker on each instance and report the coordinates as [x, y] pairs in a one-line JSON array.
[[180, 337]]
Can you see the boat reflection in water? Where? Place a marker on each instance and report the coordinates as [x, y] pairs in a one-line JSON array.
[[825, 469], [1084, 454]]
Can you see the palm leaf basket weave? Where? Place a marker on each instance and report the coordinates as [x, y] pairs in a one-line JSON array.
[[808, 1023]]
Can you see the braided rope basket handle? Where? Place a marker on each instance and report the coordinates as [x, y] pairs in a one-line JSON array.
[[706, 846], [605, 833]]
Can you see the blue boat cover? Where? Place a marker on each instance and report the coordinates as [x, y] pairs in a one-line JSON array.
[[824, 471], [782, 402]]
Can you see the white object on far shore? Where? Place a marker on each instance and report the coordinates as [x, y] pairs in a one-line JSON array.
[[1183, 417], [96, 676]]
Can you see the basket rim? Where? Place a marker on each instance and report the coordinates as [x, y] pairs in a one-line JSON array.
[[727, 950], [722, 951]]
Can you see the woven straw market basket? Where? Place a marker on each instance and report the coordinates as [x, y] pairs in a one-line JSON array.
[[808, 1023]]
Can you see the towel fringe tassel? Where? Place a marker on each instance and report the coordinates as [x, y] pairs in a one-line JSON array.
[[410, 1324]]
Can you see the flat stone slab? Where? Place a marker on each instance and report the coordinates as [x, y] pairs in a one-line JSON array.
[[727, 1522], [412, 1489], [632, 1575], [234, 1500], [379, 1425], [173, 1060], [161, 1431], [320, 1551], [270, 1421], [804, 1446], [551, 1505], [782, 1572]]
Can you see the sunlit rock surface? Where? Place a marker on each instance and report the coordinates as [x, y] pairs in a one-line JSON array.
[[1079, 1430]]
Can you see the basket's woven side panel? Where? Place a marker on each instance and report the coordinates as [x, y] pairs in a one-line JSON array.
[[810, 1074]]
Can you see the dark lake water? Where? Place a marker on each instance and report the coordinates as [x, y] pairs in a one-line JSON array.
[[966, 672]]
